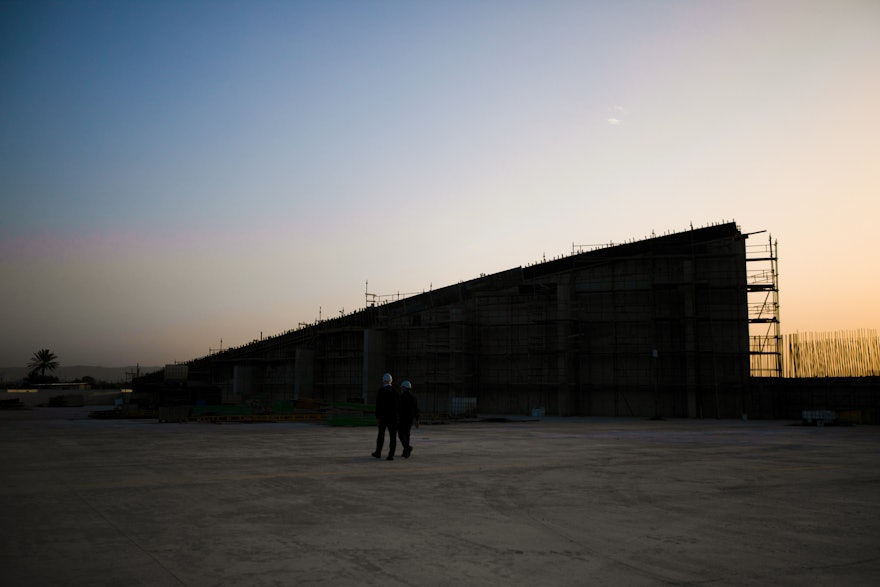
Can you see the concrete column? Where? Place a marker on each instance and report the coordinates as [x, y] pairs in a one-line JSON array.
[[690, 337], [375, 362], [304, 373], [565, 400], [456, 348], [242, 381]]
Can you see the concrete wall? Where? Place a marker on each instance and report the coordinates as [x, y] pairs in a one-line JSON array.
[[652, 328]]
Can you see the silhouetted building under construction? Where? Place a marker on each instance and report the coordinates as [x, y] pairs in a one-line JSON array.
[[657, 327]]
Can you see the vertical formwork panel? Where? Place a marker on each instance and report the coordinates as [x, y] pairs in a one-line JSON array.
[[375, 363], [721, 312], [460, 349], [304, 373], [690, 336], [243, 381], [566, 344]]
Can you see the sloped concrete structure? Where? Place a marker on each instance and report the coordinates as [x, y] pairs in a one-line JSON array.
[[653, 328]]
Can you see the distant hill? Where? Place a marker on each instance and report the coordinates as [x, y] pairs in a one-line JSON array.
[[109, 374]]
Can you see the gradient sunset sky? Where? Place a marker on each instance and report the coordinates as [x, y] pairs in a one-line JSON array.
[[174, 174]]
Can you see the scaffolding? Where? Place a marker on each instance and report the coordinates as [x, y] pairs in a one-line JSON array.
[[762, 285], [832, 354]]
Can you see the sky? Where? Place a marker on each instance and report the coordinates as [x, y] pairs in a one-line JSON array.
[[177, 177]]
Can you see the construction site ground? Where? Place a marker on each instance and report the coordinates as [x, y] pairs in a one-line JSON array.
[[496, 501]]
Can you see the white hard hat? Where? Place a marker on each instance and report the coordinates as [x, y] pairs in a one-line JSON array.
[[406, 384], [386, 378]]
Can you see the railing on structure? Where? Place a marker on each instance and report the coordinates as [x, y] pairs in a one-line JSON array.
[[373, 299]]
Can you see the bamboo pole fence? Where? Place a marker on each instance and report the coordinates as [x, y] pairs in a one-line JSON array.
[[851, 353]]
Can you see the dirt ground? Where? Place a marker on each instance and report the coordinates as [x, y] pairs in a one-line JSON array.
[[555, 501]]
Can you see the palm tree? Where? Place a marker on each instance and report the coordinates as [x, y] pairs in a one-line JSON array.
[[43, 359]]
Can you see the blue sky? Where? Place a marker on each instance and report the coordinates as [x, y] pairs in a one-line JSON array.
[[177, 173]]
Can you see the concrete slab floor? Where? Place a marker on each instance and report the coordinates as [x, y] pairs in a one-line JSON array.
[[550, 502]]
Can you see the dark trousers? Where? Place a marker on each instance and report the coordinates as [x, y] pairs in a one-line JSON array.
[[380, 439], [403, 431]]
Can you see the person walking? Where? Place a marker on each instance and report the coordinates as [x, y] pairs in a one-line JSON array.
[[386, 416], [407, 415]]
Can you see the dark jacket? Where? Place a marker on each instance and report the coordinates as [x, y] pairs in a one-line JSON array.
[[386, 405], [409, 408]]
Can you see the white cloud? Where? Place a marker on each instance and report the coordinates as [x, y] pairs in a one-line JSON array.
[[614, 117]]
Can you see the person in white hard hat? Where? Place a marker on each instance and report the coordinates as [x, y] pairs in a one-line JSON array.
[[386, 417], [407, 415]]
